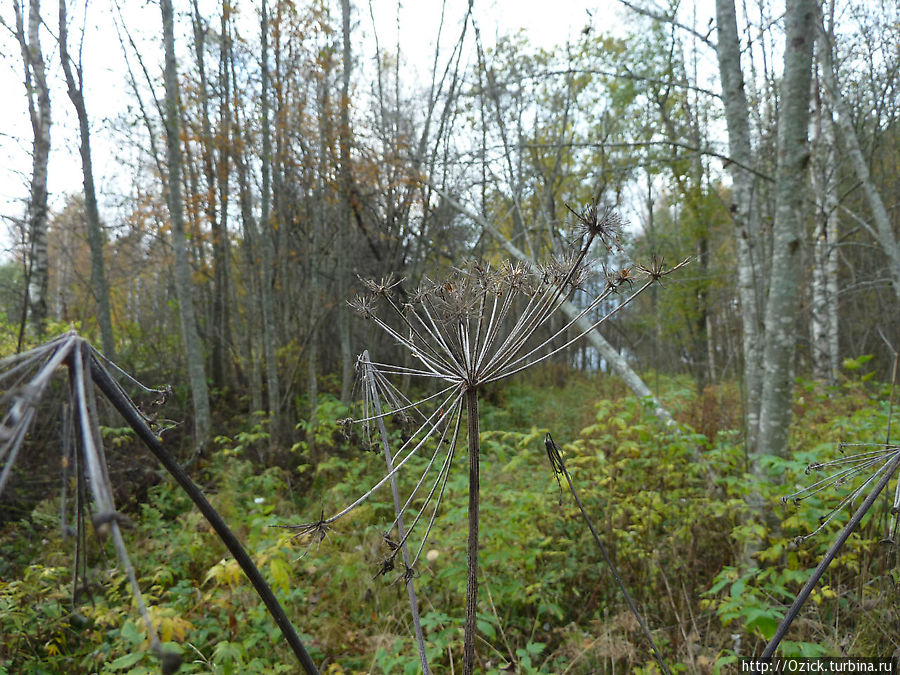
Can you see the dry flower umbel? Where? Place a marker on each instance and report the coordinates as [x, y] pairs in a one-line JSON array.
[[480, 324]]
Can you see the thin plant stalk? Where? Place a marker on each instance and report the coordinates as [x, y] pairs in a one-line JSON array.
[[851, 526], [559, 467], [404, 548], [472, 548]]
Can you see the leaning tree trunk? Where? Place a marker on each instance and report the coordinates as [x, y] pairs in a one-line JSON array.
[[99, 285], [193, 348], [884, 231], [747, 234], [790, 189], [37, 88]]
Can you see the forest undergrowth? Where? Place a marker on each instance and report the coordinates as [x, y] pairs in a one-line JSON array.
[[669, 505]]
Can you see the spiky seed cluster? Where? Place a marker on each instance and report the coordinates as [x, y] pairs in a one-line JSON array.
[[478, 325], [567, 270], [383, 288], [596, 221], [655, 269], [861, 469], [364, 305], [617, 278]]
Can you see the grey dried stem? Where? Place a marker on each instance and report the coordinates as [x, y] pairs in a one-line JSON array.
[[479, 325], [874, 466], [373, 403], [23, 381]]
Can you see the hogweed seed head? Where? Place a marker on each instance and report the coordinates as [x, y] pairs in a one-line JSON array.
[[481, 323], [860, 469], [601, 222]]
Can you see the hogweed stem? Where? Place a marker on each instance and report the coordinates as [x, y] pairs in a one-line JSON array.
[[851, 526], [472, 548]]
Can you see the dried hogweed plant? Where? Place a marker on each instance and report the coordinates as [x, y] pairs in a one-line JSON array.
[[480, 324], [24, 381], [869, 466]]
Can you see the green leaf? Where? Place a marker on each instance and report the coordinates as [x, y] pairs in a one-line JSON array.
[[486, 628], [131, 634], [126, 661]]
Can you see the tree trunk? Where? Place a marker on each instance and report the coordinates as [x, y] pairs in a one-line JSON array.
[[273, 384], [193, 348], [218, 327], [824, 282], [345, 256], [99, 286], [787, 236], [884, 231], [747, 231], [37, 88]]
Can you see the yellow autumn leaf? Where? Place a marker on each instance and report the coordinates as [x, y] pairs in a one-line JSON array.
[[281, 573]]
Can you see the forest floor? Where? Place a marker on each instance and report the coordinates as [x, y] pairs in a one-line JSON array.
[[670, 505]]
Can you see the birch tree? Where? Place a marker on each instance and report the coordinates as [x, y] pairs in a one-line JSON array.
[[38, 95], [787, 236], [823, 319], [747, 230]]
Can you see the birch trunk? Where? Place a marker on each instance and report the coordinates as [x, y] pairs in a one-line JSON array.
[[790, 189], [824, 282], [39, 111], [747, 230], [193, 348], [99, 286], [884, 231]]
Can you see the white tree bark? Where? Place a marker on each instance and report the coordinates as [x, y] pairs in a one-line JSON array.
[[193, 348], [38, 94], [824, 283], [747, 231], [790, 188]]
